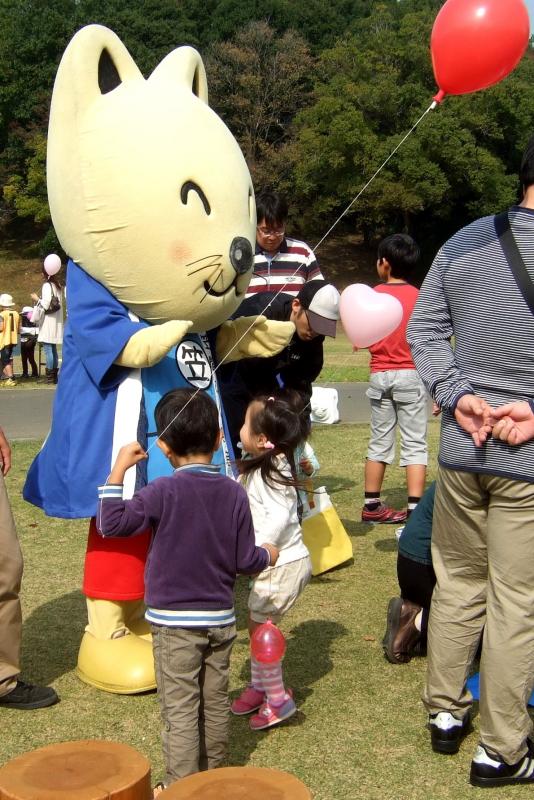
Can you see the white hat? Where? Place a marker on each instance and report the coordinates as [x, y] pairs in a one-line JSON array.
[[321, 303], [6, 300], [27, 309]]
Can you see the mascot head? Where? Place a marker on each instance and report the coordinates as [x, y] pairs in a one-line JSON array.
[[148, 189]]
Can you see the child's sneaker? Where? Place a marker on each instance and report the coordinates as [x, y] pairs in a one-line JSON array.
[[383, 514], [399, 532], [269, 715], [248, 701]]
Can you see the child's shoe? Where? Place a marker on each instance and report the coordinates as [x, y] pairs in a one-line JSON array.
[[270, 715], [248, 701]]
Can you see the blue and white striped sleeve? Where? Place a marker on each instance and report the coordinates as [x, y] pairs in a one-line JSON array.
[[429, 333], [118, 517]]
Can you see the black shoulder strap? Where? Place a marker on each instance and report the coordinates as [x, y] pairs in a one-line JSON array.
[[514, 258]]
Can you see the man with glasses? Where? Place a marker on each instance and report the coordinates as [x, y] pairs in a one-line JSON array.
[[281, 264]]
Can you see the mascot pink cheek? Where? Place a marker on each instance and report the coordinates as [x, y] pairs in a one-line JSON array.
[[180, 252]]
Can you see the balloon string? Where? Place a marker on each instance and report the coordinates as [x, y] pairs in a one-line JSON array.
[[431, 107], [280, 291]]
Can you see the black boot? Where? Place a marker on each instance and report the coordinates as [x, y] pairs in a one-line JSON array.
[[54, 375], [49, 375]]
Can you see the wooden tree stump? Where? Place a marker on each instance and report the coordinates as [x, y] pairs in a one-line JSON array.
[[84, 770], [238, 783]]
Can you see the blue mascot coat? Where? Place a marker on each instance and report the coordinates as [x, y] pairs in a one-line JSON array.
[[99, 406]]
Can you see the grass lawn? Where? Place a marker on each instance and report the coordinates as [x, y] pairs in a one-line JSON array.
[[360, 731], [341, 363]]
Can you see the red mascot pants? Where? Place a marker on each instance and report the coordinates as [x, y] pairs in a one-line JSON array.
[[114, 568]]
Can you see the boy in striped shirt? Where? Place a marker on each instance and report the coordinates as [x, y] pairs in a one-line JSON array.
[[202, 537]]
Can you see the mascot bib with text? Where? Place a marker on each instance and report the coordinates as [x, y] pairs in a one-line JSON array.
[[152, 201]]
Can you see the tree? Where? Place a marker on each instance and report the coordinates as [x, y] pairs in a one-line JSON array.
[[258, 81], [33, 37], [372, 87], [318, 22], [26, 193]]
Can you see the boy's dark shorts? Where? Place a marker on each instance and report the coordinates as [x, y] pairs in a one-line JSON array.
[[6, 354]]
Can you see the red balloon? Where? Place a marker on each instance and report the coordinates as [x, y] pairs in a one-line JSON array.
[[267, 643], [476, 43]]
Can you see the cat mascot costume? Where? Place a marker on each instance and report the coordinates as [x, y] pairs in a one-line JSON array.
[[152, 200]]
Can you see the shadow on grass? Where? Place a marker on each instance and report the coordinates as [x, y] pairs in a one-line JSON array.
[[387, 545], [51, 638], [355, 528], [394, 496], [300, 673], [334, 483]]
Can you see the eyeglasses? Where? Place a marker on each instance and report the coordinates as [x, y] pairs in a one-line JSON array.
[[271, 231]]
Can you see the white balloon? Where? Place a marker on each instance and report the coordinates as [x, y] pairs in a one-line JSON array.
[[52, 264]]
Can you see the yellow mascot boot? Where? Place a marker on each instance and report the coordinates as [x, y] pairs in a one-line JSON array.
[[111, 657]]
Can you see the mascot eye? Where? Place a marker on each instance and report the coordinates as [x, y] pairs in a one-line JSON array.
[[190, 186]]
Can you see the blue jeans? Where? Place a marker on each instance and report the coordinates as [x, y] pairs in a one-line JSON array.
[[50, 351]]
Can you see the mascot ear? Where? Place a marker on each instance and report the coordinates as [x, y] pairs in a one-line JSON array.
[[184, 67], [94, 63]]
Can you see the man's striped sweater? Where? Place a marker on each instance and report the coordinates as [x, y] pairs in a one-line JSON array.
[[287, 271], [472, 331]]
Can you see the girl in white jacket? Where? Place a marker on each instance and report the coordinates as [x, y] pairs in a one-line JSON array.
[[271, 432]]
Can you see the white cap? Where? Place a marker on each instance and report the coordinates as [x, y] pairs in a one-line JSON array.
[[321, 303], [6, 300]]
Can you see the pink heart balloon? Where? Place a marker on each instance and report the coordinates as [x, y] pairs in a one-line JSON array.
[[368, 316]]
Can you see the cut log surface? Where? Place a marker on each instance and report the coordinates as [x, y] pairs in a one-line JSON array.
[[238, 783], [82, 770]]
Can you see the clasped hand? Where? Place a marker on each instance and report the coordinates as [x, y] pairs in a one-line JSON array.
[[512, 423]]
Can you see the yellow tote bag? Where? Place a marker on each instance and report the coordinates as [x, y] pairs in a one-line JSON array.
[[324, 534]]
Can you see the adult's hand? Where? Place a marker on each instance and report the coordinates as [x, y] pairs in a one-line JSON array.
[[474, 416], [5, 454], [515, 422]]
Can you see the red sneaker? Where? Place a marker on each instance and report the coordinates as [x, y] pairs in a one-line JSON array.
[[248, 701], [383, 514]]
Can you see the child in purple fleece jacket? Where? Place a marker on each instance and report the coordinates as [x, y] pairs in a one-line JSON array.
[[203, 537]]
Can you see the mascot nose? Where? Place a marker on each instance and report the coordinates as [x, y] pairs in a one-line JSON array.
[[241, 255]]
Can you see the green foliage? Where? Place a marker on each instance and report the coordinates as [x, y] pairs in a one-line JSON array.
[[317, 94], [27, 192], [50, 244], [373, 86], [319, 22], [258, 81]]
